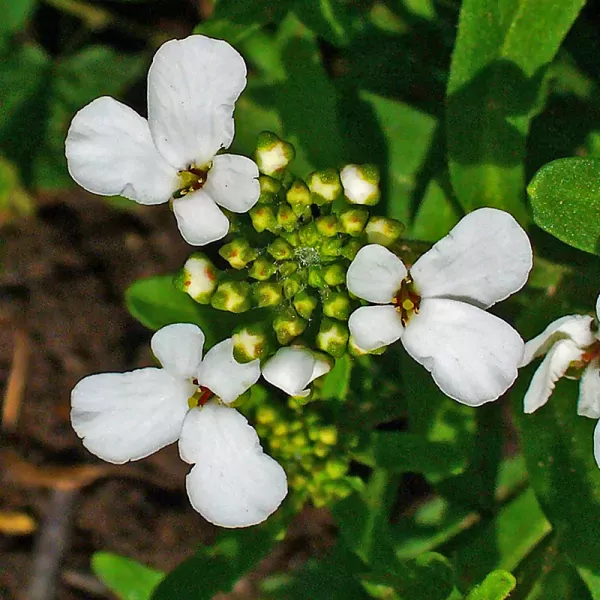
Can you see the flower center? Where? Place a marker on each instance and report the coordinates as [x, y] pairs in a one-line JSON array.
[[200, 397], [192, 179], [590, 354], [406, 300]]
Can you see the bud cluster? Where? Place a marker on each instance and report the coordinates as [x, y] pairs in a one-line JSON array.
[[290, 259]]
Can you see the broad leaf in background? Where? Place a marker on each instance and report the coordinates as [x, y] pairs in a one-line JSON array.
[[496, 76], [565, 197], [15, 14], [437, 214], [126, 578], [496, 586]]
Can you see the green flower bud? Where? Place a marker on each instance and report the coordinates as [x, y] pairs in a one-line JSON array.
[[321, 450], [325, 186], [287, 268], [383, 231], [232, 296], [238, 253], [298, 197], [353, 220], [336, 468], [279, 249], [269, 189], [316, 277], [273, 154], [198, 278], [361, 184], [263, 217], [265, 415], [336, 305], [333, 337], [286, 218], [331, 247], [292, 285], [251, 342], [350, 250], [305, 304], [291, 237], [288, 325], [308, 234], [334, 274], [327, 226], [328, 435], [262, 269], [267, 293]]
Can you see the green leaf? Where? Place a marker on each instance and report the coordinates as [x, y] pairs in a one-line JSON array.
[[498, 64], [496, 586], [15, 202], [128, 579], [218, 567], [591, 580], [336, 384], [436, 216], [15, 13], [565, 196]]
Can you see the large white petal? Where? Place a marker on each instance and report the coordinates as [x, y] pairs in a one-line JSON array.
[[192, 87], [589, 391], [375, 326], [110, 152], [471, 354], [552, 368], [225, 376], [127, 416], [292, 369], [233, 483], [232, 182], [199, 219], [375, 274], [178, 348], [484, 259], [573, 327]]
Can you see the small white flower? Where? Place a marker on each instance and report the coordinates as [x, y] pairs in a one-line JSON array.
[[292, 369], [192, 87], [438, 309], [127, 416]]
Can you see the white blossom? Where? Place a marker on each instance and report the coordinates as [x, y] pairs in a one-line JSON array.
[[192, 87], [437, 309], [127, 416]]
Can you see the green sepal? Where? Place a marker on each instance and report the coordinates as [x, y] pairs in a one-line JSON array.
[[272, 154], [298, 197], [327, 225], [316, 277], [262, 269], [287, 267], [263, 218], [269, 189], [279, 249], [238, 253], [333, 337], [292, 285], [351, 248], [288, 325], [331, 247], [251, 342], [325, 186], [336, 305], [286, 217], [335, 274], [309, 235], [383, 231], [267, 293], [353, 221], [198, 278], [305, 303], [232, 296]]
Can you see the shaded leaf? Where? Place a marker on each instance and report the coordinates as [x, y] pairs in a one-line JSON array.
[[496, 586]]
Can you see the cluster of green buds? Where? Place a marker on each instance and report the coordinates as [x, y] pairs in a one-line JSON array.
[[287, 259], [314, 454]]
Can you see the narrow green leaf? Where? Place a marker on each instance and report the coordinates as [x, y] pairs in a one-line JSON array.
[[591, 580], [128, 579], [496, 76], [565, 196], [496, 586]]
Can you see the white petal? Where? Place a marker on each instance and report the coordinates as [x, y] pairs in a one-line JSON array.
[[573, 327], [127, 416], [552, 368], [589, 391], [484, 259], [110, 152], [471, 354], [232, 182], [375, 326], [199, 219], [192, 86], [292, 369], [375, 274], [234, 483], [225, 376], [178, 348]]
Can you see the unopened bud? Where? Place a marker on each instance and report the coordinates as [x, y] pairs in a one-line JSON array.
[[263, 218], [334, 274], [336, 468], [251, 342], [351, 248], [331, 247], [305, 303], [287, 325], [265, 415], [273, 154], [198, 278], [361, 184], [298, 197], [333, 337], [287, 267], [327, 226], [262, 269], [383, 231], [286, 218], [353, 221], [308, 234], [238, 253], [325, 186], [269, 189], [336, 305], [267, 293], [279, 249], [316, 277], [328, 435], [232, 296], [292, 285]]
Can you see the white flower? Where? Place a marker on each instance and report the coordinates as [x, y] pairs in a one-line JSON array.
[[192, 87], [438, 309], [292, 369], [127, 416]]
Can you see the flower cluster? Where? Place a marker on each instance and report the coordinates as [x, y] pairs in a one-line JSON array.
[[303, 258]]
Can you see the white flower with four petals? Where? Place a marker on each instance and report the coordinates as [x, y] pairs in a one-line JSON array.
[[437, 309], [192, 87], [127, 416]]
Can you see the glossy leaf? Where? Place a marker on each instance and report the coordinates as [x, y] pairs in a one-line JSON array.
[[565, 197], [497, 71]]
